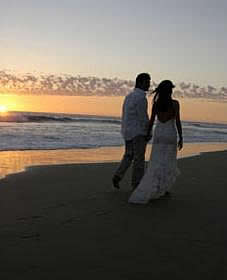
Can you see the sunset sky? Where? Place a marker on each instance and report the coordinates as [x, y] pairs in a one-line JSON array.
[[184, 41]]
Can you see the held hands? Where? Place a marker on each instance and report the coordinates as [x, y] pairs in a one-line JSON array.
[[180, 144], [148, 137]]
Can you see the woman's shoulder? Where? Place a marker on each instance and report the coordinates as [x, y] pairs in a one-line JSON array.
[[175, 103]]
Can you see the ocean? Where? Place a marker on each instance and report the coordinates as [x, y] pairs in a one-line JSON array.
[[48, 131]]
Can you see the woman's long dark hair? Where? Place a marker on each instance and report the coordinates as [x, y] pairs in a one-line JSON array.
[[163, 96]]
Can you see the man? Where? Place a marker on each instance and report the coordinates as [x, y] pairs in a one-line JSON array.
[[134, 130]]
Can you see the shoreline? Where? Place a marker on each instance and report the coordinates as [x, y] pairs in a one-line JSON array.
[[13, 162]]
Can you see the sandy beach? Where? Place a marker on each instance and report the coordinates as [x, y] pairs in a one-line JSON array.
[[66, 222]]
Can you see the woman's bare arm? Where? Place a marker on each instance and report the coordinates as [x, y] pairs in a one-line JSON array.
[[178, 124]]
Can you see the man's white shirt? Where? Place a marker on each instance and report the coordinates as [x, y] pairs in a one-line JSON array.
[[135, 120]]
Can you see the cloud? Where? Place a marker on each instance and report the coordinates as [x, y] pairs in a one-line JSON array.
[[53, 84]]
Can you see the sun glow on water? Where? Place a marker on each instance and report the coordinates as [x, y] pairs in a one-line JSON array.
[[3, 109]]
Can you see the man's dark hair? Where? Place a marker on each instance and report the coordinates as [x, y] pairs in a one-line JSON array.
[[141, 78]]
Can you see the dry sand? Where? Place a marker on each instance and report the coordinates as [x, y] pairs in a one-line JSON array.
[[66, 222]]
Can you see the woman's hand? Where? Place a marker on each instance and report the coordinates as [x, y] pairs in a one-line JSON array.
[[180, 144]]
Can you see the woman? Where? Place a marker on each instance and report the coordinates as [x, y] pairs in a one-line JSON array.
[[162, 169]]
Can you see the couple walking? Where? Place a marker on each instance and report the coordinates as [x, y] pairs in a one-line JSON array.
[[137, 130]]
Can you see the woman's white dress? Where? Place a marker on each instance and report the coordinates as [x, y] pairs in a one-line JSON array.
[[162, 170]]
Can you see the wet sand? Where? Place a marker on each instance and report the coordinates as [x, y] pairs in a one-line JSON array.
[[17, 161], [66, 222]]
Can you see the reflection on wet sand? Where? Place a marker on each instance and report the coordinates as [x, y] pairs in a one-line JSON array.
[[17, 161]]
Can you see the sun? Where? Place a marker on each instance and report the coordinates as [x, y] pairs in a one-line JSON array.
[[3, 109]]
